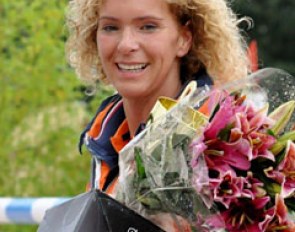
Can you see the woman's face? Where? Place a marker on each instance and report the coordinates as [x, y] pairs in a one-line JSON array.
[[140, 45]]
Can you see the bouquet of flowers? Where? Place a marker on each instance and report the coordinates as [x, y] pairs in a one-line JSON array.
[[218, 160]]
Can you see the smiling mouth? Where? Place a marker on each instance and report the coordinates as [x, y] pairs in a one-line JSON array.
[[131, 67]]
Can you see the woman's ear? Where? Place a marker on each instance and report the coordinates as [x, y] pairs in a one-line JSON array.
[[185, 41]]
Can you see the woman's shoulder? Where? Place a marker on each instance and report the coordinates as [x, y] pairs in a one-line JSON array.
[[105, 103], [202, 78]]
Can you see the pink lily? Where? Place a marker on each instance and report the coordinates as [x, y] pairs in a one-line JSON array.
[[253, 188], [242, 122], [285, 172], [226, 188], [261, 142], [259, 118], [277, 220], [287, 167], [222, 118], [244, 215], [234, 155]]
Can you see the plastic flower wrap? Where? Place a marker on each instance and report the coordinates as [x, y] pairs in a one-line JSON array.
[[219, 160]]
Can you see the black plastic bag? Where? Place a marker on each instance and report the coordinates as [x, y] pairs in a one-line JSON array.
[[94, 211]]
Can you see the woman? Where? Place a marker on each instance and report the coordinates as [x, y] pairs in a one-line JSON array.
[[146, 49]]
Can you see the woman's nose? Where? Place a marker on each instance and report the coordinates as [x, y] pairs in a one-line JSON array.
[[128, 42]]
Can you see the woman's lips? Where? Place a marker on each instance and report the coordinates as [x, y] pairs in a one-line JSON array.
[[135, 67]]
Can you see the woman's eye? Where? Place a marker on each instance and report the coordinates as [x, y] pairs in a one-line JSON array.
[[148, 27], [109, 28]]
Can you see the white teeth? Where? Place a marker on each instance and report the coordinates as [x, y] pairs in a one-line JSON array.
[[133, 67]]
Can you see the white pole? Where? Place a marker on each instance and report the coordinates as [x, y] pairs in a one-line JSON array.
[[26, 210]]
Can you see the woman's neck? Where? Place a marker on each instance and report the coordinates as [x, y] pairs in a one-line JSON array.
[[137, 112]]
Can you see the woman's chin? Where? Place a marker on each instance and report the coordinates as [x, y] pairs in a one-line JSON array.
[[132, 94]]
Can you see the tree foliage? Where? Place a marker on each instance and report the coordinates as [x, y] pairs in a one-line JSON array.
[[41, 114], [273, 29]]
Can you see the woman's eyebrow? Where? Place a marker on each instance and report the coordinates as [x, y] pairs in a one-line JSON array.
[[105, 17], [140, 18], [145, 17]]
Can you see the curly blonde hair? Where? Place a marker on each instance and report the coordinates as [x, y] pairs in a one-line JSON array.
[[217, 42]]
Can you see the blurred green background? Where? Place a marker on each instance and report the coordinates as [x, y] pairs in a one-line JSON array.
[[43, 107]]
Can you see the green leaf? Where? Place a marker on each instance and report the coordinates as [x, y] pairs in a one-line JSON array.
[[157, 152], [152, 203], [139, 163], [280, 156], [178, 139], [170, 178], [270, 132], [282, 142], [271, 187], [224, 133]]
